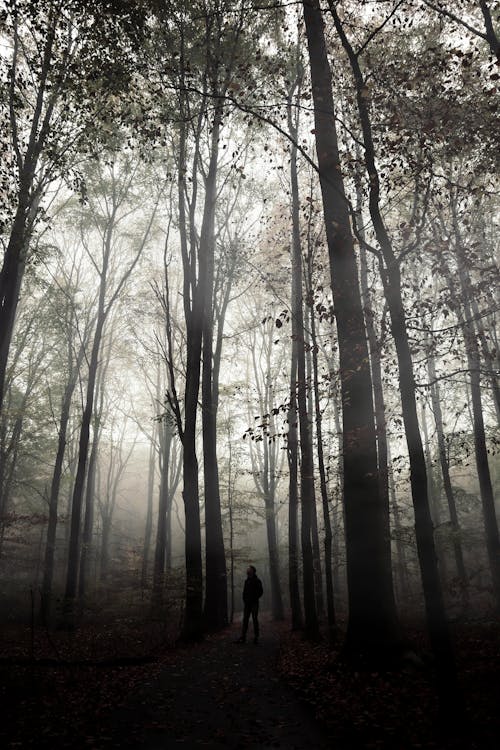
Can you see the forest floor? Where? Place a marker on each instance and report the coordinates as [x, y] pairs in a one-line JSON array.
[[130, 686]]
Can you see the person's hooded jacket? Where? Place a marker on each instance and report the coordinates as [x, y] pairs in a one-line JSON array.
[[252, 590]]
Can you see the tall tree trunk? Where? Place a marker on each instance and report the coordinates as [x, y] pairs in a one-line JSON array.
[[330, 604], [83, 449], [29, 194], [445, 471], [194, 309], [148, 528], [274, 560], [48, 570], [8, 471], [192, 627], [265, 469], [50, 546], [231, 562], [215, 610], [373, 624], [307, 495], [88, 521], [12, 272], [231, 528], [488, 356], [10, 448], [318, 574], [338, 520], [376, 364], [165, 437], [402, 567], [269, 491], [379, 401], [448, 687], [293, 493], [105, 542], [480, 447]]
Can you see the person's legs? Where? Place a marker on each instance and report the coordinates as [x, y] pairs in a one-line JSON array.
[[255, 619], [246, 617]]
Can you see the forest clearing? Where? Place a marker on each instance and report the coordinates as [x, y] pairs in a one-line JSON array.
[[249, 373]]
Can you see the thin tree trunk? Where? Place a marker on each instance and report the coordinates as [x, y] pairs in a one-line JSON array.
[[490, 29], [231, 560], [48, 571], [88, 521], [376, 366], [105, 542], [445, 471], [8, 471], [379, 401], [480, 447], [29, 194], [402, 567], [307, 495], [434, 497], [488, 357], [77, 497], [338, 525], [269, 492], [293, 495], [8, 309], [318, 574], [148, 529], [330, 604], [231, 526], [161, 526]]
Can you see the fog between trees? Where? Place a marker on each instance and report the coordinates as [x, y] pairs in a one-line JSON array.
[[248, 313]]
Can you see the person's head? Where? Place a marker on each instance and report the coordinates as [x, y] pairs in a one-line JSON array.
[[251, 570]]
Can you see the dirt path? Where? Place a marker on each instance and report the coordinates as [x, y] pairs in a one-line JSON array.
[[219, 694]]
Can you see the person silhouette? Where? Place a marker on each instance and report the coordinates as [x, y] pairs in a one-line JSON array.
[[252, 591]]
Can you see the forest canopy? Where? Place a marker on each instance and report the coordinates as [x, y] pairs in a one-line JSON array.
[[248, 313]]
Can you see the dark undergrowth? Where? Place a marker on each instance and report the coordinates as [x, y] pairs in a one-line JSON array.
[[60, 689], [397, 709]]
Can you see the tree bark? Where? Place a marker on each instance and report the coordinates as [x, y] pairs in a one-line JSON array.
[[269, 492], [29, 194], [88, 520], [215, 610], [373, 624], [328, 540], [90, 490], [293, 494], [10, 287], [448, 687], [50, 545], [194, 308], [491, 36], [148, 528], [307, 495], [105, 542], [480, 446], [165, 437], [318, 573], [488, 356], [445, 472], [83, 448], [402, 578]]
